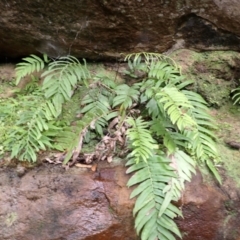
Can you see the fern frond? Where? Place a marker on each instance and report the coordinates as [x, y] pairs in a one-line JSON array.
[[202, 139], [170, 136], [148, 58], [61, 78], [142, 143], [153, 108], [236, 95], [66, 139], [95, 100], [27, 137], [125, 96], [163, 71], [152, 178], [31, 64], [176, 105]]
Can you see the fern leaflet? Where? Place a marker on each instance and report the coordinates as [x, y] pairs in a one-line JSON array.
[[61, 78], [126, 96], [30, 65], [176, 104], [236, 95], [141, 140]]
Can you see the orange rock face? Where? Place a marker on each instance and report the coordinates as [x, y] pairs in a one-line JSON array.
[[49, 203]]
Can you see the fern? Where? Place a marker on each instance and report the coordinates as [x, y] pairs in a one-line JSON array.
[[125, 96], [160, 180], [95, 100], [181, 123], [202, 139], [28, 136], [141, 140], [61, 78], [176, 105], [236, 95], [30, 65], [148, 58], [165, 128], [153, 210]]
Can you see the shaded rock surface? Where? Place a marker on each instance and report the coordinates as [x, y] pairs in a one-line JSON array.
[[100, 29]]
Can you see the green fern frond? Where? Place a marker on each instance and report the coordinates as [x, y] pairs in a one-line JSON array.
[[163, 71], [171, 138], [27, 137], [184, 165], [125, 96], [31, 64], [95, 100], [148, 58], [176, 105], [152, 178], [66, 139], [142, 143], [236, 95], [105, 81], [153, 108], [202, 139], [61, 78], [136, 65], [70, 139]]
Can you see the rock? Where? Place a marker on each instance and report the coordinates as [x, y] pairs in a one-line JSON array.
[[209, 212], [233, 144], [49, 203], [215, 73], [100, 29]]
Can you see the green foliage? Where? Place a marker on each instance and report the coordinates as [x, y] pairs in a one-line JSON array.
[[61, 78], [165, 128], [160, 180], [141, 139], [26, 125], [29, 66], [236, 95], [125, 96], [180, 123], [34, 114]]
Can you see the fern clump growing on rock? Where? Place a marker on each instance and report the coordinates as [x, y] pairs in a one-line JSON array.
[[162, 128]]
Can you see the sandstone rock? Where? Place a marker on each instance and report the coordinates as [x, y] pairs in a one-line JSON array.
[[209, 212], [49, 203], [100, 29]]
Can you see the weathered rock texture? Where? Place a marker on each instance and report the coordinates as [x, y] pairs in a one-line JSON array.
[[209, 212], [104, 28], [48, 203]]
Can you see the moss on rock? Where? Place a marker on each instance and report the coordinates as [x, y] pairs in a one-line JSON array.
[[215, 73]]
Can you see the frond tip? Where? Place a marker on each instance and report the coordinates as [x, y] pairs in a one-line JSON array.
[[153, 211], [31, 64]]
